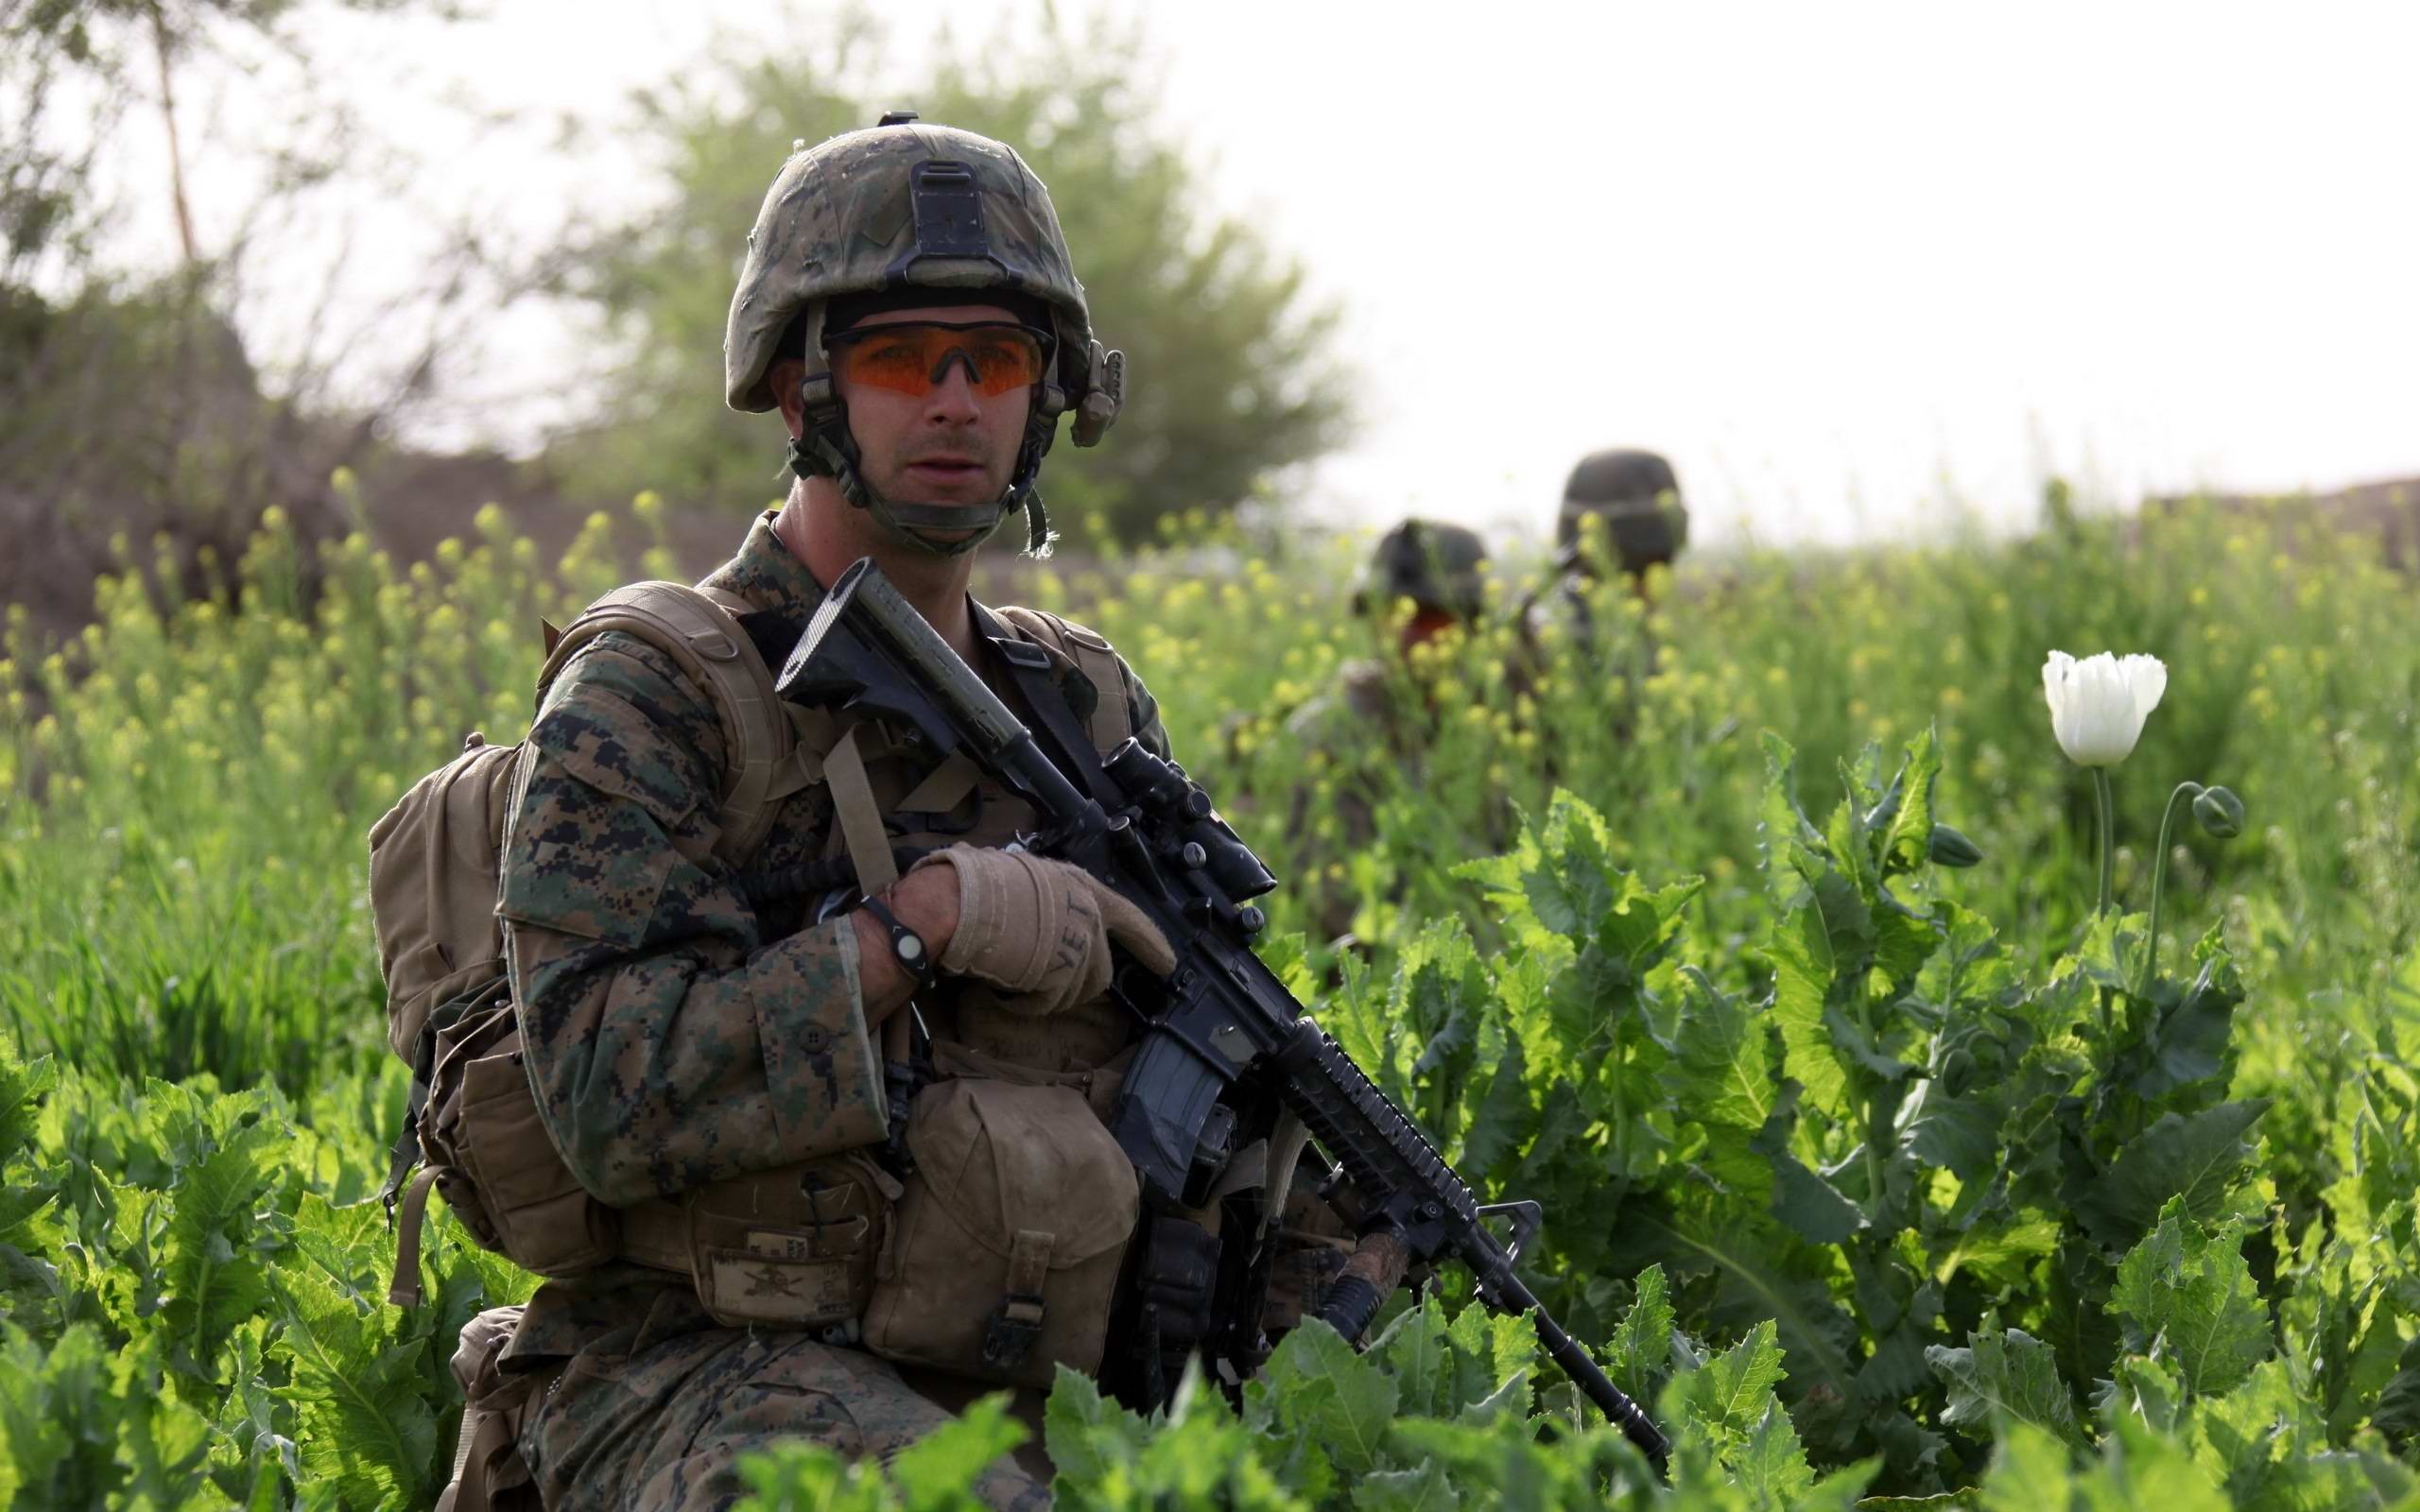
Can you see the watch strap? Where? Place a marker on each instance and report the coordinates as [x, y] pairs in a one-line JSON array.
[[907, 947]]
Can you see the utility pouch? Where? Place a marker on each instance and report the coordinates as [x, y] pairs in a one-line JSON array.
[[489, 1475], [793, 1247], [494, 1162], [1003, 1259]]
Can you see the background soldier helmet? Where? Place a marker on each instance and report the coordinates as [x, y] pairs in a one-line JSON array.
[[1435, 565], [904, 207], [1638, 499]]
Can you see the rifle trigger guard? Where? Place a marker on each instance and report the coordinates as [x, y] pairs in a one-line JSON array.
[[1525, 1217]]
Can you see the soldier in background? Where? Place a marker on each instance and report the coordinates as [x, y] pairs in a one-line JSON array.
[[1377, 716], [1637, 500], [1623, 512], [1436, 567]]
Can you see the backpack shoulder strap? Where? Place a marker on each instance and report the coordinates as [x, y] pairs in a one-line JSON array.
[[1112, 721], [697, 629]]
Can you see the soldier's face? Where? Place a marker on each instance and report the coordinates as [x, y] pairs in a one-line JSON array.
[[953, 444]]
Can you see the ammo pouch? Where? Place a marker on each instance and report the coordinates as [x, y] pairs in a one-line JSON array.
[[491, 1158], [1003, 1259], [791, 1247]]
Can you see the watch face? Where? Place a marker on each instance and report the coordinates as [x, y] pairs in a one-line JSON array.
[[910, 947]]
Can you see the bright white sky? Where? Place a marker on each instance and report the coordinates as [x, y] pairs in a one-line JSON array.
[[1855, 269]]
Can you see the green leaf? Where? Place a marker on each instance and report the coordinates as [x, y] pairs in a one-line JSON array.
[[2195, 1041], [1316, 1377], [1639, 1354], [1850, 848], [2008, 1374], [216, 1271], [2187, 1291], [937, 1471], [1770, 1465], [792, 1475], [1812, 1207], [1415, 1351], [1725, 1066], [1783, 838], [254, 1428], [1570, 879], [2258, 1436], [161, 1442], [1424, 1488], [1490, 1347], [1753, 1282], [1085, 1433], [1800, 952], [366, 1427], [2146, 1387], [1727, 1397], [2192, 1157], [2397, 1413], [1641, 924], [59, 1416], [1506, 1112], [2031, 1470], [1957, 1132], [23, 1090], [1908, 835]]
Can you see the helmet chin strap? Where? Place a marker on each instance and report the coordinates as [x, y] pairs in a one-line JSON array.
[[907, 522], [815, 455]]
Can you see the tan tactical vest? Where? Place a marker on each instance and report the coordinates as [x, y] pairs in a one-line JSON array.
[[782, 1246], [997, 1256]]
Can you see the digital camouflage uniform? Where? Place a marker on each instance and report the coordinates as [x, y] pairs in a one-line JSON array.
[[680, 1032]]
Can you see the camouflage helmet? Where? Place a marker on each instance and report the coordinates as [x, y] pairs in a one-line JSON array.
[[1638, 497], [904, 206], [1435, 565]]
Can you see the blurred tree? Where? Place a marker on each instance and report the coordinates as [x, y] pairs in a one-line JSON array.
[[1231, 372], [131, 405]]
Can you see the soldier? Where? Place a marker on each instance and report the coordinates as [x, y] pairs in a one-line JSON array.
[[708, 1044], [1624, 504], [1638, 500], [1375, 716], [1434, 568]]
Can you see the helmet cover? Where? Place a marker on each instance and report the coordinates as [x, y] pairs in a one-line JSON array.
[[890, 210]]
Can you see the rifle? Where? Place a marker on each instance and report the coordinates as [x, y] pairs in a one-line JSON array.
[[1224, 1044]]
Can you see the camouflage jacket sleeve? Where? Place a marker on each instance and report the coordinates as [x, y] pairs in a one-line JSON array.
[[670, 1044], [1143, 712]]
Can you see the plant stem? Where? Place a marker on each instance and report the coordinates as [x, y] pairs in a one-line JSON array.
[[2108, 837], [2186, 791]]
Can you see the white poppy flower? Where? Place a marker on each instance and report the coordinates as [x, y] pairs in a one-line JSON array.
[[2098, 705]]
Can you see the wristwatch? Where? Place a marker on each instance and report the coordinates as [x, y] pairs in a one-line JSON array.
[[907, 946]]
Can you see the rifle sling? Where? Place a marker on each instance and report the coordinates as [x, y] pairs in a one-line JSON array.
[[1061, 738]]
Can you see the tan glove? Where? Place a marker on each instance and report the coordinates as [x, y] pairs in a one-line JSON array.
[[1041, 930]]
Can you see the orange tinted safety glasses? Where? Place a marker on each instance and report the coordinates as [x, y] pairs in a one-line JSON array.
[[914, 357]]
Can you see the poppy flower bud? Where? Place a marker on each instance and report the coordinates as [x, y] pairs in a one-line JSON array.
[[1946, 847], [2220, 812]]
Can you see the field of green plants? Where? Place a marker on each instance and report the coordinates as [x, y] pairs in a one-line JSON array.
[[1879, 1178]]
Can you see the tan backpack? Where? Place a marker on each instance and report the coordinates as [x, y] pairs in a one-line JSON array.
[[435, 861]]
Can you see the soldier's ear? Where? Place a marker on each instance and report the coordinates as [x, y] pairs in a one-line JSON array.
[[783, 379]]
